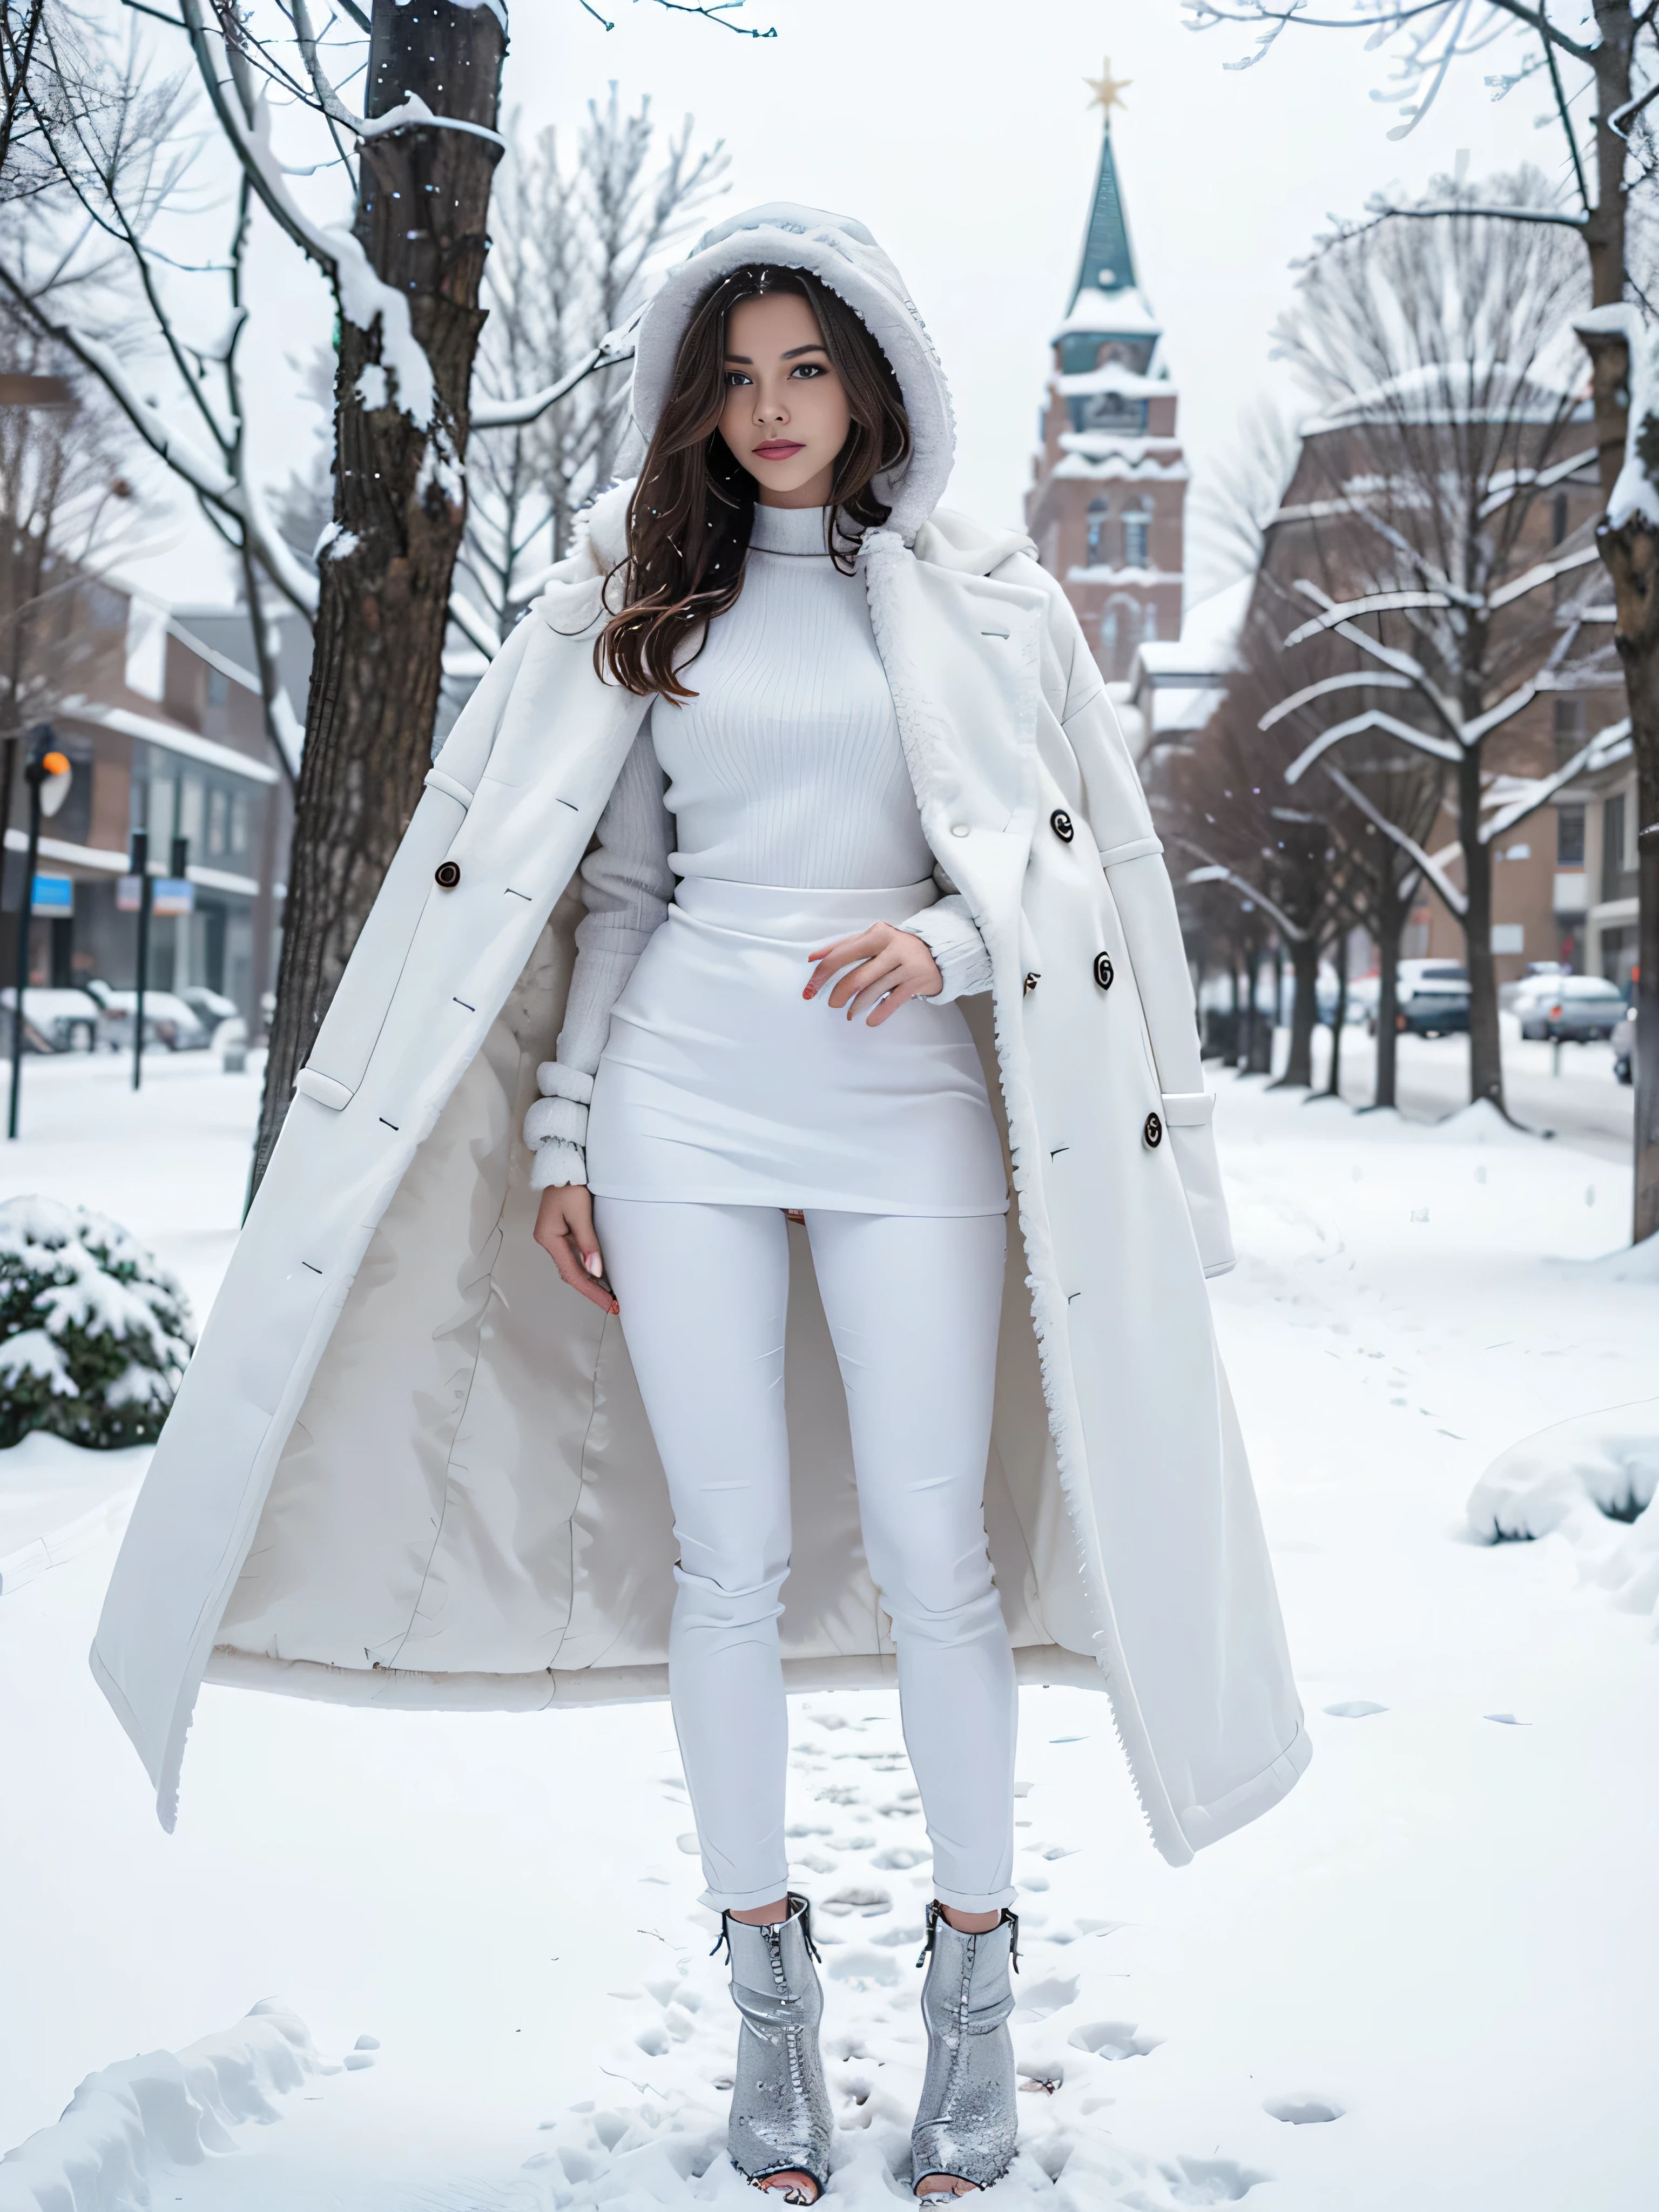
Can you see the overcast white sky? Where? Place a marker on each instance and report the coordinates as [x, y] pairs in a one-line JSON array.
[[961, 132]]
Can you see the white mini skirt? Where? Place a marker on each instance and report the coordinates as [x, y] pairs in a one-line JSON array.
[[722, 1086]]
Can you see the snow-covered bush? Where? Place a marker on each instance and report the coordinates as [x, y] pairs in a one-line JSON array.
[[93, 1333]]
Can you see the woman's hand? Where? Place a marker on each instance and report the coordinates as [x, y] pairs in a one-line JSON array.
[[564, 1230], [890, 965]]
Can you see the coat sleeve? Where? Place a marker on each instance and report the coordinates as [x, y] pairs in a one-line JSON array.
[[1133, 857], [626, 886]]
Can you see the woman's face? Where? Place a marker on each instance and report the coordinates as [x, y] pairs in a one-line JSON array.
[[786, 417]]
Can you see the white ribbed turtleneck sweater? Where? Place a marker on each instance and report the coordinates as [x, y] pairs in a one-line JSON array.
[[786, 768]]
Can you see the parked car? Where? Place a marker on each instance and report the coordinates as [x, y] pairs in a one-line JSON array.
[[53, 1021], [168, 1020], [209, 1007], [1575, 1007], [1433, 999], [1624, 1047]]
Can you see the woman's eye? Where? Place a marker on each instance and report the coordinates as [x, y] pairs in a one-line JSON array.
[[733, 377], [808, 368]]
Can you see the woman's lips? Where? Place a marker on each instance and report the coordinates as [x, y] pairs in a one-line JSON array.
[[779, 449]]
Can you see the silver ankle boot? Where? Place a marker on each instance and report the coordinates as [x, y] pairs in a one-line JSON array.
[[967, 2120], [780, 2106]]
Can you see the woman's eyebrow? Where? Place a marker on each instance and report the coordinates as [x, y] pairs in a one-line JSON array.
[[746, 360]]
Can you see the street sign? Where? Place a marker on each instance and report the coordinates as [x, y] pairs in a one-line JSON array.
[[172, 895], [53, 895], [129, 894]]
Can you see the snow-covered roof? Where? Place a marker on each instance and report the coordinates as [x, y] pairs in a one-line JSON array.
[[1113, 378], [1179, 685], [1101, 572], [1125, 314], [1213, 624], [1096, 456], [1452, 392]]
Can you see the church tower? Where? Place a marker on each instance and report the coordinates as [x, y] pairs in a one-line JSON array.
[[1106, 506]]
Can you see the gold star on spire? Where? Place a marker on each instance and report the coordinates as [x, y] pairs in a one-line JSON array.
[[1107, 89]]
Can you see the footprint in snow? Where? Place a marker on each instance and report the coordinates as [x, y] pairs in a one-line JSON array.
[[1505, 1720], [1210, 2180], [1045, 1997], [1113, 2039], [1355, 1709], [871, 1903], [1302, 2112]]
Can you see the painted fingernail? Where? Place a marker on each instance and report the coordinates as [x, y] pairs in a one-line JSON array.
[[809, 993], [592, 1262]]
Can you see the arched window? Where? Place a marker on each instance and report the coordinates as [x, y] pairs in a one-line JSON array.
[[1149, 628], [1119, 634], [1135, 530], [1098, 511]]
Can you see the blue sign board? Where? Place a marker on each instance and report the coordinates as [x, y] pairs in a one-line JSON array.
[[53, 895]]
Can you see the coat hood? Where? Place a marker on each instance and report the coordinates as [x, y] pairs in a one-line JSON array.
[[841, 254]]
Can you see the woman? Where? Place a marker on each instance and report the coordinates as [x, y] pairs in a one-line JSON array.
[[835, 763]]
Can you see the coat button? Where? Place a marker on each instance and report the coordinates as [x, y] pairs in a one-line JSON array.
[[1104, 970], [447, 875], [958, 829], [1152, 1133], [1060, 823], [1031, 981]]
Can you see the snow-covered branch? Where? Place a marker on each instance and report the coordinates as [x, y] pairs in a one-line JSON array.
[[1538, 790], [211, 478], [1354, 679], [1445, 748], [1533, 481], [1409, 845], [363, 299], [1215, 872], [1545, 573], [1375, 602], [615, 348]]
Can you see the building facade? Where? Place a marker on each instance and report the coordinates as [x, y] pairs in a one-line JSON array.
[[1107, 504], [161, 717]]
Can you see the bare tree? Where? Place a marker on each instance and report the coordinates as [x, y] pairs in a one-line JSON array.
[[1611, 49], [407, 292], [20, 22], [64, 505], [1450, 413], [573, 240]]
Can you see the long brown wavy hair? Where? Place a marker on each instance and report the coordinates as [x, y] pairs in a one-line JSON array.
[[690, 517]]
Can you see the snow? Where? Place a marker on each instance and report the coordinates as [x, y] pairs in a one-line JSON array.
[[128, 2123], [1421, 1984], [1583, 1479], [1635, 492]]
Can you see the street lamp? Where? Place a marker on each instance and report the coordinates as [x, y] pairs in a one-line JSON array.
[[48, 774]]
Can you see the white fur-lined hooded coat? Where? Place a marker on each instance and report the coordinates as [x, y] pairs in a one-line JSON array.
[[408, 1467]]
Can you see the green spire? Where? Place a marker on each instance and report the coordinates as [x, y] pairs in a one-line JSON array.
[[1108, 264]]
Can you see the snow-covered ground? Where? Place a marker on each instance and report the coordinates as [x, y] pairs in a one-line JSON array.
[[1423, 1984]]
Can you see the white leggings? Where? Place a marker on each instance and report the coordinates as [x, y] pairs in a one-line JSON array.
[[913, 1306]]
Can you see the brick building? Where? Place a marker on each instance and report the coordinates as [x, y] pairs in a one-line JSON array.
[[1106, 507], [159, 715]]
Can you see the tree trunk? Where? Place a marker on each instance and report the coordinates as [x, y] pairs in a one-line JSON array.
[[1340, 955], [1485, 1049], [1632, 555], [1633, 560], [1236, 1031], [1304, 1015], [1261, 1059], [1391, 914], [399, 507]]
